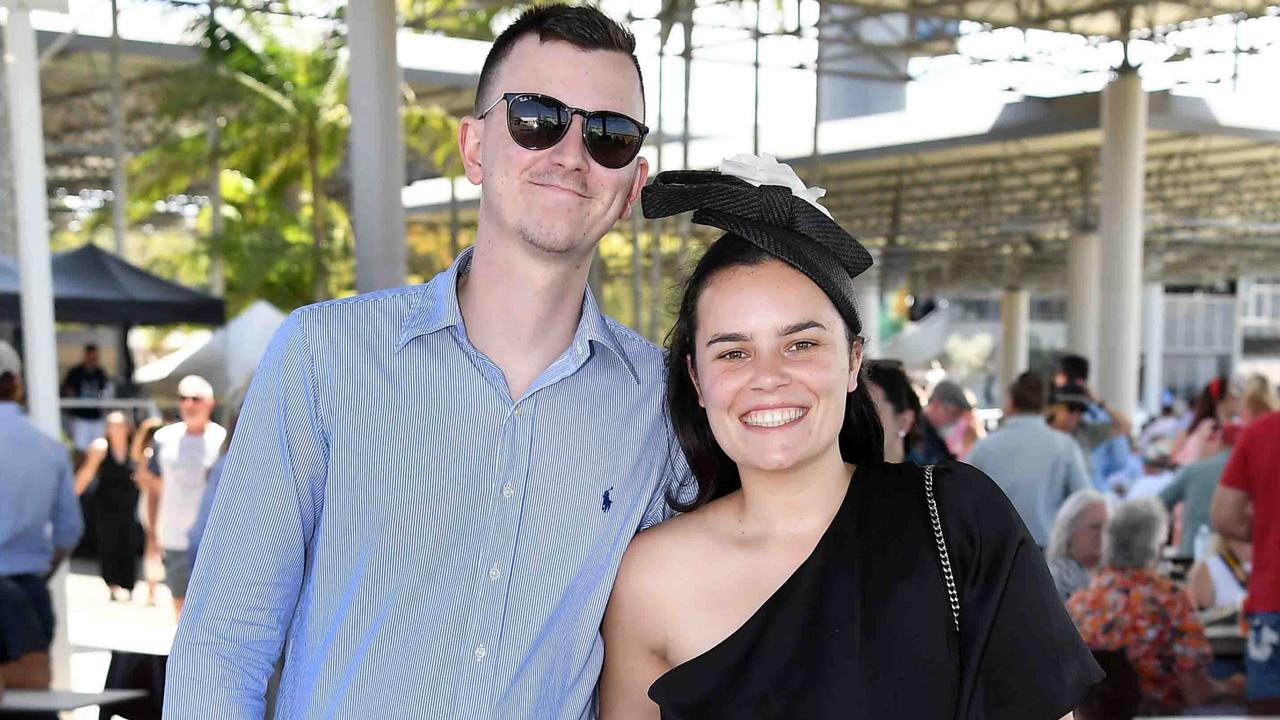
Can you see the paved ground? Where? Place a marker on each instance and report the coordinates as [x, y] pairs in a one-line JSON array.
[[96, 625]]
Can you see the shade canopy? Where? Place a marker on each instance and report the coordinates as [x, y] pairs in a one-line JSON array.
[[93, 286], [227, 358]]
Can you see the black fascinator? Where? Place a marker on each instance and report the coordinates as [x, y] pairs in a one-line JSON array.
[[771, 218]]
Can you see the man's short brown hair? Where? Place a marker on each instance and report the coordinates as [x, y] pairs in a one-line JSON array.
[[1029, 393], [586, 28]]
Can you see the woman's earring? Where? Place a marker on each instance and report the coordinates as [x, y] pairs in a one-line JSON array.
[[902, 433]]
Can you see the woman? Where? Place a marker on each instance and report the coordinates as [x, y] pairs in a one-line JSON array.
[[1216, 406], [897, 405], [1075, 540], [1259, 398], [114, 506], [805, 579], [1129, 606], [142, 452], [1222, 577]]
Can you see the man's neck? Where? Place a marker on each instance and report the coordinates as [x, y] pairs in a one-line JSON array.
[[521, 307], [196, 428]]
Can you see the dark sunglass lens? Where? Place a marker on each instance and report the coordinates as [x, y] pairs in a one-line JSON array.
[[535, 122], [613, 140]]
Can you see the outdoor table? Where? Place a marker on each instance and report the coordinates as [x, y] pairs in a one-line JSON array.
[[52, 701]]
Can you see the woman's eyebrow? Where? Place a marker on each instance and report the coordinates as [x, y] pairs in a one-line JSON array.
[[729, 337]]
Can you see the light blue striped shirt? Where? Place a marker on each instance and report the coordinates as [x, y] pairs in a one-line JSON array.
[[420, 545], [38, 507]]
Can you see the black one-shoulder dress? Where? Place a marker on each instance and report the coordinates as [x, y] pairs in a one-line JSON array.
[[864, 627]]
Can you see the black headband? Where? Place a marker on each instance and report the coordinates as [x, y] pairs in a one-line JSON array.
[[771, 218]]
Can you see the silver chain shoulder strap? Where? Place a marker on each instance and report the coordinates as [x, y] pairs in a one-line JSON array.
[[947, 575]]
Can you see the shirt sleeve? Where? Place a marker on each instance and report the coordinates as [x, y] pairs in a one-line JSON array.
[[68, 523], [1188, 642], [1175, 491], [677, 483], [249, 572], [1021, 656], [1236, 474]]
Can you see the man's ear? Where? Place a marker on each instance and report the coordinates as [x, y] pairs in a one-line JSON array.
[[637, 184], [470, 132], [693, 376]]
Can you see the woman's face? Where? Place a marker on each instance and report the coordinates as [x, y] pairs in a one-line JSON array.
[[1085, 546], [896, 424], [773, 367], [117, 428]]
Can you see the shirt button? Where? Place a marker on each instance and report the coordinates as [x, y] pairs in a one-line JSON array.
[[480, 653], [494, 572], [516, 411], [508, 491]]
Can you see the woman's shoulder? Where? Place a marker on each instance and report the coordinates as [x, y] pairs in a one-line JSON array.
[[662, 553]]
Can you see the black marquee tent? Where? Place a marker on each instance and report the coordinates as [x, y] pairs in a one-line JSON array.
[[93, 286]]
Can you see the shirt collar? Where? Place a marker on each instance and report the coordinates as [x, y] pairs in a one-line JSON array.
[[1024, 419], [8, 407], [436, 308]]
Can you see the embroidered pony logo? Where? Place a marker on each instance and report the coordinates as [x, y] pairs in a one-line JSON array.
[[607, 501]]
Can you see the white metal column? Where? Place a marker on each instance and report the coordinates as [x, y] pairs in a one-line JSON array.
[[1015, 336], [1124, 136], [377, 145], [119, 154], [1083, 285], [40, 360], [868, 289], [1152, 347]]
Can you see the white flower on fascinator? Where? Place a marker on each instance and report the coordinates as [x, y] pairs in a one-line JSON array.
[[765, 169]]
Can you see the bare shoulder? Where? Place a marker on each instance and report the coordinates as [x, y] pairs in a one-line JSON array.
[[664, 550]]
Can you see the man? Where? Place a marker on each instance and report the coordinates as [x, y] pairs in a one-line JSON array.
[[1246, 507], [39, 526], [1035, 465], [86, 381], [1103, 433], [1194, 486], [947, 404], [184, 452], [431, 487]]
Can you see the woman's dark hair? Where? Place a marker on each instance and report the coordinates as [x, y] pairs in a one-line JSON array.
[[584, 27], [861, 436], [1206, 407], [892, 380]]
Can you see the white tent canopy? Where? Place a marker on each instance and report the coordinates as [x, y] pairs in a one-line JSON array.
[[226, 359]]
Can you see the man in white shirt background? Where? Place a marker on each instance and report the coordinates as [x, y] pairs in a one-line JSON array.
[[184, 453]]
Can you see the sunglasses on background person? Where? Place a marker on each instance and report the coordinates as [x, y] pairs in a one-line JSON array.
[[538, 122]]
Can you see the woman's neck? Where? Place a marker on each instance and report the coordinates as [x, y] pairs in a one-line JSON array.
[[795, 501]]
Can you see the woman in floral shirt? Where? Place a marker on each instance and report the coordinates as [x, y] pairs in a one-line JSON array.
[[1129, 606]]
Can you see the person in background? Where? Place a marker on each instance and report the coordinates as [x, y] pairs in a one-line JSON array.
[[1246, 507], [1075, 540], [115, 505], [1221, 578], [1036, 466], [898, 405], [196, 532], [947, 405], [1215, 408], [1258, 399], [1102, 431], [1129, 606], [1194, 486], [1163, 428], [39, 526], [146, 475], [185, 451], [85, 381]]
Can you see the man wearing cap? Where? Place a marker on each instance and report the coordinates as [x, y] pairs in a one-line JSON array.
[[184, 451], [1036, 466], [39, 526], [1102, 431], [947, 404]]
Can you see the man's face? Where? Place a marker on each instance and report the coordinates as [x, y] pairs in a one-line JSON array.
[[195, 410], [91, 358], [557, 201]]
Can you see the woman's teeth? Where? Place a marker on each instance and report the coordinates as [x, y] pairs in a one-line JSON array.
[[773, 418]]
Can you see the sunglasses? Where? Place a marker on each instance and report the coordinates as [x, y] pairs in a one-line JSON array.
[[538, 122]]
